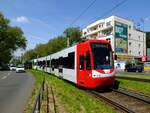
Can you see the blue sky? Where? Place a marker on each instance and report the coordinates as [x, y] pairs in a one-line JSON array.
[[42, 20]]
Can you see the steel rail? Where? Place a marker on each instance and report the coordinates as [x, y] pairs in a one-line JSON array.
[[112, 102], [139, 93], [138, 98]]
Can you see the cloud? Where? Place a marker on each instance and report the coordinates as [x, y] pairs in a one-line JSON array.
[[21, 19]]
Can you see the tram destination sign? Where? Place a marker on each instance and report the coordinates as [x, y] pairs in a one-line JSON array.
[[121, 37]]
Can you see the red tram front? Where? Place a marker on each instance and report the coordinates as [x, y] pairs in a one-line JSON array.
[[95, 64]]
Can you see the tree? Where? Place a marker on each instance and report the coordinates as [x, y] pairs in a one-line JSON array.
[[138, 62], [15, 61], [74, 34], [30, 54], [128, 62], [11, 38], [148, 39], [54, 45]]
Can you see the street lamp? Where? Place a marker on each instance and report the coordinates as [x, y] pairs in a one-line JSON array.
[[142, 20]]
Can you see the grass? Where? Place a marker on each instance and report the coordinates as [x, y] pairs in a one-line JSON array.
[[134, 76], [37, 83], [134, 85], [70, 99]]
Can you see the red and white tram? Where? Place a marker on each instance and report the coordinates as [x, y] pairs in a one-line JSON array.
[[88, 64]]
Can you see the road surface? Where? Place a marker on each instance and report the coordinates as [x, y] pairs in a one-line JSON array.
[[15, 90]]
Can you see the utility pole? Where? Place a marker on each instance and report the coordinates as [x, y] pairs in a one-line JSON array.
[[68, 39], [143, 35]]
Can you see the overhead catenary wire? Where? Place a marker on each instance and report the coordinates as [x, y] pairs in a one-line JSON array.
[[92, 3], [113, 8]]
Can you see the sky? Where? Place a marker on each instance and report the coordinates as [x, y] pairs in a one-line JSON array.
[[42, 20]]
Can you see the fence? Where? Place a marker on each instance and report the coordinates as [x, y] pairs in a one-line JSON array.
[[39, 97]]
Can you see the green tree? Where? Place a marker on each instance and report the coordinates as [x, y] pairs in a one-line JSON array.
[[54, 45], [148, 39], [74, 34], [138, 62], [30, 54], [128, 62], [11, 38], [15, 61]]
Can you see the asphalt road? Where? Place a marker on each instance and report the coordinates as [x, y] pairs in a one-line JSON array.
[[15, 90]]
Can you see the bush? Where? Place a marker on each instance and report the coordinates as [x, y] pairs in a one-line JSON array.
[[128, 62]]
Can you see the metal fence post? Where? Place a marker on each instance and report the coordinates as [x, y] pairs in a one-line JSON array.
[[39, 103]]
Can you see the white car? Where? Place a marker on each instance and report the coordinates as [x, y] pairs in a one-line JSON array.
[[20, 69], [12, 68]]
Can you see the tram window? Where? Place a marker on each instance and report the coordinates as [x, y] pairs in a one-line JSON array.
[[81, 62], [48, 63], [60, 60], [88, 61], [56, 63], [71, 60], [68, 62], [52, 63], [65, 62], [44, 63]]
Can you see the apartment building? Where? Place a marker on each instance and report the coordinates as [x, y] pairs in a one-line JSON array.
[[128, 43]]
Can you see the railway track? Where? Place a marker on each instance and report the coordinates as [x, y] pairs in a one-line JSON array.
[[123, 100], [134, 79]]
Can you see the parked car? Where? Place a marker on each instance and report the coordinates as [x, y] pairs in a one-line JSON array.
[[4, 67], [134, 68], [20, 69], [12, 68]]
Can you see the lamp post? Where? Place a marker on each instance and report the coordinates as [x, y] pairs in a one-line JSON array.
[[142, 20]]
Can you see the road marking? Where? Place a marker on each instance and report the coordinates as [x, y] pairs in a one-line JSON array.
[[8, 74], [4, 77]]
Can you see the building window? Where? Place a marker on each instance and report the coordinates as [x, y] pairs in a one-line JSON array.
[[139, 52], [108, 23], [108, 32], [130, 51], [129, 43], [139, 45], [84, 33], [139, 37], [129, 27], [100, 25], [109, 40], [88, 30], [129, 35]]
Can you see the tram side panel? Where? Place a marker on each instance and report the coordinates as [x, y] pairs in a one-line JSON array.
[[63, 64]]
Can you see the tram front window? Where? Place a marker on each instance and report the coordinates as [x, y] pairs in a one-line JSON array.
[[102, 55]]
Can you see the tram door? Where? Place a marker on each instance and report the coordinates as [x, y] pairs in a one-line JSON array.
[[84, 67], [81, 70]]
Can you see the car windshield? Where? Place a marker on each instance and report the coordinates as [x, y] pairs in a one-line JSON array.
[[102, 55], [20, 67]]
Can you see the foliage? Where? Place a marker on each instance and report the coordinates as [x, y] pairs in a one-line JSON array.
[[30, 54], [74, 34], [54, 45], [15, 61], [138, 62], [128, 62], [148, 39], [11, 38]]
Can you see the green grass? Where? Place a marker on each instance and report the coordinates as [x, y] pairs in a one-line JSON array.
[[37, 83], [134, 85], [134, 76], [70, 99]]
